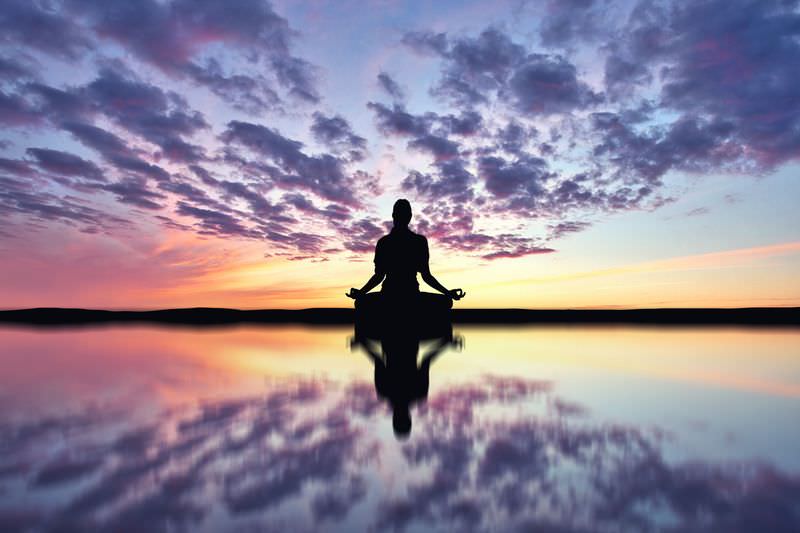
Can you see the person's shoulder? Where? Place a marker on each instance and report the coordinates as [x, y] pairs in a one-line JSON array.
[[383, 240], [419, 237]]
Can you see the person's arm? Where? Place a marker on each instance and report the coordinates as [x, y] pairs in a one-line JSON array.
[[373, 281], [427, 277]]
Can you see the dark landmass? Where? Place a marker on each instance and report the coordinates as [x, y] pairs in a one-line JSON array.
[[206, 316]]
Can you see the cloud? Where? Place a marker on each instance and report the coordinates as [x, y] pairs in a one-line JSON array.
[[13, 70], [397, 121], [323, 174], [391, 87], [251, 94], [335, 133], [566, 22], [439, 147], [28, 199], [15, 111], [713, 71], [114, 150], [452, 181], [426, 42], [214, 222], [134, 191], [162, 118], [65, 164], [524, 179], [545, 85], [561, 229], [41, 27], [16, 167], [181, 32]]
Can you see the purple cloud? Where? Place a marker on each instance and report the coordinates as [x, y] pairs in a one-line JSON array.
[[391, 87], [65, 164]]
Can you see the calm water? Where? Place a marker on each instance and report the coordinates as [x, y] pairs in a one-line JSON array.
[[282, 429]]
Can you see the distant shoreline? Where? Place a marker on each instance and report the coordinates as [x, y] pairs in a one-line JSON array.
[[206, 316]]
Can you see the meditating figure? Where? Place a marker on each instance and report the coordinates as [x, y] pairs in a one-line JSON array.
[[398, 257]]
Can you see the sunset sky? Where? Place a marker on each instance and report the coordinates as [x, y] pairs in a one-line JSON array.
[[564, 153]]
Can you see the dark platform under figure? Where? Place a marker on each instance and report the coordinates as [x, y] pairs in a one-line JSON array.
[[424, 314]]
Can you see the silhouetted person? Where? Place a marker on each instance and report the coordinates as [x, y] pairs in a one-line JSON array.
[[398, 257], [398, 378]]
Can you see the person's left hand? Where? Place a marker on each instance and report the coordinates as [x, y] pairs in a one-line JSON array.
[[354, 293], [457, 294]]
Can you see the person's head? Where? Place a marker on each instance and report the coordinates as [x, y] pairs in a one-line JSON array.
[[401, 213], [401, 421]]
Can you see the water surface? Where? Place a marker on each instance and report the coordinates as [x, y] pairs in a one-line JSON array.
[[289, 428]]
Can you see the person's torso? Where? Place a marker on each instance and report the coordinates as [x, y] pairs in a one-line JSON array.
[[403, 254]]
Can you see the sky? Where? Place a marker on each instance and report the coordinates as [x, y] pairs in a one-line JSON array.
[[571, 153]]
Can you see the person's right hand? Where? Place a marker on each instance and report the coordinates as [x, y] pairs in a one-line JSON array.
[[457, 294], [354, 293]]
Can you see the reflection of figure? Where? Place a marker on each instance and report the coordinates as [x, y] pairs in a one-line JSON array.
[[398, 257], [398, 378]]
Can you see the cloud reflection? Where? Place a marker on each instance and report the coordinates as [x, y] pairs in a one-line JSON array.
[[496, 453]]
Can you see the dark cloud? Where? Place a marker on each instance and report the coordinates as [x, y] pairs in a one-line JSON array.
[[105, 142], [561, 229], [515, 178], [439, 147], [16, 167], [30, 199], [361, 235], [59, 104], [523, 249], [544, 85], [568, 21], [426, 42], [467, 124], [184, 189], [114, 150], [335, 133], [690, 143], [65, 164], [451, 181], [719, 66], [134, 191], [514, 137], [15, 111], [162, 118], [65, 470], [213, 222], [13, 70], [392, 88], [298, 75], [179, 32], [397, 121], [473, 68], [43, 27], [323, 174], [251, 94]]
